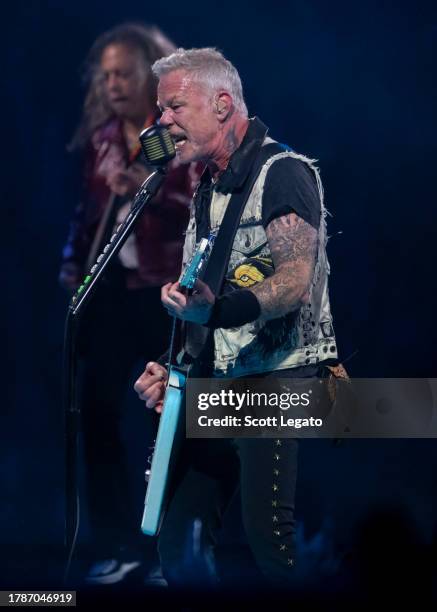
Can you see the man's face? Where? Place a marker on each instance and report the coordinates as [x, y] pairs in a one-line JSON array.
[[188, 113], [125, 81]]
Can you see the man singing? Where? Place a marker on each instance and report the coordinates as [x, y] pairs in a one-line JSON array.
[[272, 316]]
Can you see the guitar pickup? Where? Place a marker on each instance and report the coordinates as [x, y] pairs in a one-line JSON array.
[[177, 378]]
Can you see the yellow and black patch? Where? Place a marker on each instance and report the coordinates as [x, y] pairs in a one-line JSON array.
[[251, 271]]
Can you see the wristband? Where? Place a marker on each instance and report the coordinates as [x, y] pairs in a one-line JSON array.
[[234, 309]]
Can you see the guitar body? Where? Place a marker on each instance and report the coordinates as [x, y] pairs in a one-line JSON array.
[[168, 440]]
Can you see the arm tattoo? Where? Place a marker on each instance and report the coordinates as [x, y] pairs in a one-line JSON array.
[[293, 244]]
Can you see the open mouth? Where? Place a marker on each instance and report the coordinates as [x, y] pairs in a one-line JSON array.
[[179, 141]]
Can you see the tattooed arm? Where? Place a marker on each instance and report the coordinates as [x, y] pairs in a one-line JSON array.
[[293, 244]]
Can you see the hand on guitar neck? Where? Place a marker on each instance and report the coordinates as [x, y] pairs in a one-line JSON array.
[[150, 386], [195, 307]]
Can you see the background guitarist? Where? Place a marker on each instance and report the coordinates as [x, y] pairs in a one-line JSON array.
[[272, 318], [125, 320]]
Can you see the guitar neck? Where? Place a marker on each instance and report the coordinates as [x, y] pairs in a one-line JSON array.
[[176, 334], [172, 348]]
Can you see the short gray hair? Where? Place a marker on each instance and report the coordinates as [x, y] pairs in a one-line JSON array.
[[209, 67]]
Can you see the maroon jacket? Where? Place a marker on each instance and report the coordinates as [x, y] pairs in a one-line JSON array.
[[160, 231]]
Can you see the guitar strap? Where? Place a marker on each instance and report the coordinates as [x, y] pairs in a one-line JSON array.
[[218, 261], [196, 336]]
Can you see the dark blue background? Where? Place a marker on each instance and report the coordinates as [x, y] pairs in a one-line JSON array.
[[352, 84]]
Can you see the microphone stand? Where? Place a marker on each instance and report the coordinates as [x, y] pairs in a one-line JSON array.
[[71, 407]]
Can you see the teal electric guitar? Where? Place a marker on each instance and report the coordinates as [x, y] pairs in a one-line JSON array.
[[171, 424]]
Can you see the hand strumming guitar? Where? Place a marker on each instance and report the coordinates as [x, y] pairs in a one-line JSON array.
[[150, 386]]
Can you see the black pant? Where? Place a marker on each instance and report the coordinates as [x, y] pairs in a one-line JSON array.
[[120, 327], [208, 474]]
